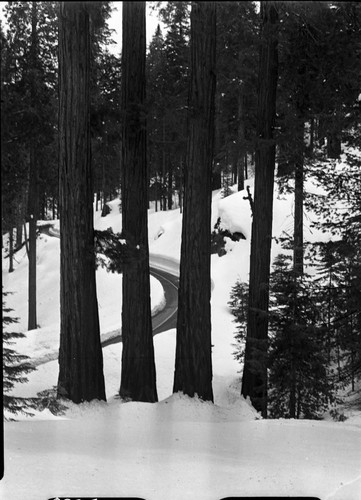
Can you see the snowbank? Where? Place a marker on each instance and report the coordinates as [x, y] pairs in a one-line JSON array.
[[179, 448]]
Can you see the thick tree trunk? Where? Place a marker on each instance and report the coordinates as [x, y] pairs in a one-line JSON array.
[[138, 378], [254, 382], [80, 355], [193, 365]]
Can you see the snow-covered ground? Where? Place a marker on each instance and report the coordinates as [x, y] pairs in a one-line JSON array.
[[179, 448]]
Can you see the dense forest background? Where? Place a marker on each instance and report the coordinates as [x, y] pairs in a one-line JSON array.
[[318, 84]]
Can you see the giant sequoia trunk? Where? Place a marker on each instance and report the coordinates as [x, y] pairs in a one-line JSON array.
[[254, 382], [80, 355], [138, 379], [193, 365]]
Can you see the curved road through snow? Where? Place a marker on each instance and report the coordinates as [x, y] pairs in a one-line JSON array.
[[166, 270], [166, 318]]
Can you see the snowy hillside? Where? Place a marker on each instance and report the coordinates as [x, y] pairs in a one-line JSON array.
[[179, 448]]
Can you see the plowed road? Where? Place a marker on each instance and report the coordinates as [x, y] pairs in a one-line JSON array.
[[166, 271], [167, 318]]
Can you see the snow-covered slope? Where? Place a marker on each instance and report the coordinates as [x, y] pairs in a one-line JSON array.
[[179, 448], [43, 343]]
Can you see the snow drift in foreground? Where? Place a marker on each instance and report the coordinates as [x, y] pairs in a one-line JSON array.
[[179, 448]]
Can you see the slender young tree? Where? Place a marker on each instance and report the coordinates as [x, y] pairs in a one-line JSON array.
[[80, 355], [254, 382], [33, 178], [138, 377], [193, 364]]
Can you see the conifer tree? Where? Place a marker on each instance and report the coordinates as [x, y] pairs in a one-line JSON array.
[[168, 124], [138, 377], [105, 125], [80, 355], [311, 93], [104, 106], [299, 383], [254, 382], [30, 93], [157, 104], [340, 260], [236, 93], [339, 279], [193, 364], [15, 366], [238, 305]]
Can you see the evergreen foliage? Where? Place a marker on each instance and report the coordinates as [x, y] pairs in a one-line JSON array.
[[29, 94], [314, 324], [226, 183], [113, 251], [239, 308], [157, 103], [167, 86], [104, 105], [339, 261], [298, 368], [15, 366], [319, 75], [254, 380], [339, 276], [218, 236], [236, 94]]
